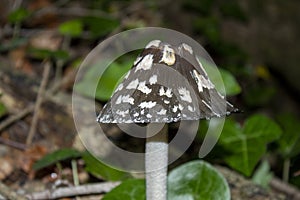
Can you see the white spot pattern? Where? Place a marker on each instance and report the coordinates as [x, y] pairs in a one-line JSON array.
[[190, 108], [122, 113], [149, 104], [168, 92], [133, 84], [143, 88], [188, 48], [153, 79], [146, 63], [162, 112], [125, 99], [175, 108], [154, 43], [185, 95], [196, 76]]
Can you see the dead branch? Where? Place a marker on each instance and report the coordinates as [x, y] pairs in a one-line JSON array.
[[16, 117], [74, 191], [38, 103], [13, 144], [285, 188]]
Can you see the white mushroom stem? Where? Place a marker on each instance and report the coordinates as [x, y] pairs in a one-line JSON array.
[[156, 164]]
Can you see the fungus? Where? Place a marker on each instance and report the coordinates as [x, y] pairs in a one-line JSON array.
[[166, 84]]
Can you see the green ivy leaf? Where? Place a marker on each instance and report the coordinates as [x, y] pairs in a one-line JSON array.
[[46, 53], [133, 189], [72, 28], [289, 142], [197, 180], [99, 26], [98, 169], [18, 15], [107, 83], [248, 144], [56, 156]]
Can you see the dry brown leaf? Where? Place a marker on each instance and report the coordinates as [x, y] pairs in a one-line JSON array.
[[6, 167], [30, 156]]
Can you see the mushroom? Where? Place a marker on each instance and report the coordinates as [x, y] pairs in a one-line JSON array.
[[166, 84]]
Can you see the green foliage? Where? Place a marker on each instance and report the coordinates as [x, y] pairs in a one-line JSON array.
[[18, 15], [72, 28], [133, 189], [262, 176], [100, 26], [197, 180], [100, 170], [231, 85], [55, 157], [45, 53], [289, 142], [194, 180], [247, 144], [107, 82], [3, 110]]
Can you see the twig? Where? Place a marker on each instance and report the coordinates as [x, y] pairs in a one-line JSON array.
[[16, 117], [285, 188], [13, 144], [286, 170], [8, 193], [74, 191], [56, 86], [38, 103]]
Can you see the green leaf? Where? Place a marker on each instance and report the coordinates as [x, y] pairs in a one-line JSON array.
[[262, 175], [248, 144], [3, 110], [107, 82], [197, 180], [227, 79], [56, 156], [289, 142], [18, 15], [45, 53], [72, 28], [98, 169], [100, 26], [133, 189]]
